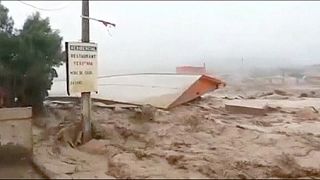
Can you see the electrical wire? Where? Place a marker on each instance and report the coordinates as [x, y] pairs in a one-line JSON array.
[[44, 9], [138, 85], [132, 74]]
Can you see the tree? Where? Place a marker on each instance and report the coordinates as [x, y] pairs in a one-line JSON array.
[[6, 22], [27, 59], [39, 52], [8, 49]]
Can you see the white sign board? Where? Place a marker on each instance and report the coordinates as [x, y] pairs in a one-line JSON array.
[[81, 67]]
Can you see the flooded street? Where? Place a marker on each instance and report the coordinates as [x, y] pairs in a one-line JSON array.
[[270, 132], [193, 90]]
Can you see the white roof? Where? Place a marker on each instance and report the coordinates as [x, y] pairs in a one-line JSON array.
[[159, 90]]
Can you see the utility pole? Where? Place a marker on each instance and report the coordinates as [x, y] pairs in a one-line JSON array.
[[242, 70], [85, 96], [242, 61]]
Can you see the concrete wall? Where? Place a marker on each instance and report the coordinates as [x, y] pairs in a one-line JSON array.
[[15, 130]]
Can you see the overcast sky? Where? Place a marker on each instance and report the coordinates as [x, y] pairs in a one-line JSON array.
[[160, 35]]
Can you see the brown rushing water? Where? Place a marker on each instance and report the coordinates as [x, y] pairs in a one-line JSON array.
[[20, 169], [16, 163]]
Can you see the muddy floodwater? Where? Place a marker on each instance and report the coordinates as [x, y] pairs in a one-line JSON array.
[[19, 169], [16, 163]]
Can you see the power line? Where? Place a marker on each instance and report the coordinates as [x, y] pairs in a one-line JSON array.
[[44, 9], [138, 85], [132, 74]]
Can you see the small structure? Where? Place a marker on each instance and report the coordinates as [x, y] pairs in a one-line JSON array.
[[191, 70], [277, 80], [312, 79]]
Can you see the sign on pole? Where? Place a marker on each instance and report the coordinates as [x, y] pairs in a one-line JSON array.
[[81, 67]]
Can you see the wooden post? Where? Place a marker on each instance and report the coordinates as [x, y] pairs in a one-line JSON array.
[[85, 96]]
